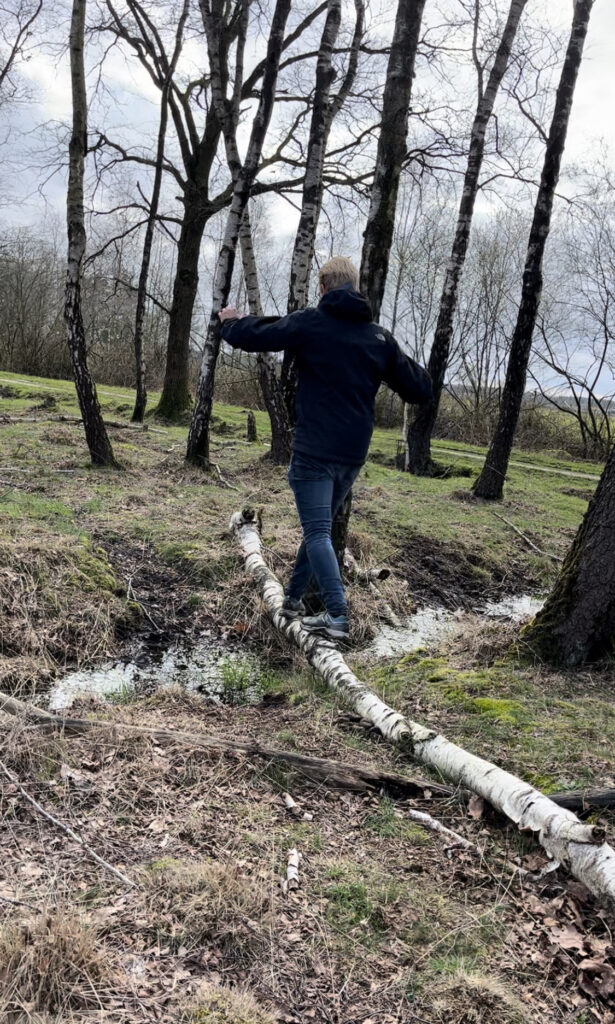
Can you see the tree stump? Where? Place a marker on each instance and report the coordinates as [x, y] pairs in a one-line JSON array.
[[251, 433]]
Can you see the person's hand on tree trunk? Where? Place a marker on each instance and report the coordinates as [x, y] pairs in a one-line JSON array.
[[229, 313]]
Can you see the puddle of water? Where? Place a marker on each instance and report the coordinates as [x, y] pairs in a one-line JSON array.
[[430, 625], [422, 629], [219, 674], [232, 677], [521, 606]]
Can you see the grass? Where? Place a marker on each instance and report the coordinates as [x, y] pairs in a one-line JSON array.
[[384, 922], [218, 1004], [53, 964]]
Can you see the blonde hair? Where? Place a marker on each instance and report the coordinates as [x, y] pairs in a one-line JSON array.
[[338, 271]]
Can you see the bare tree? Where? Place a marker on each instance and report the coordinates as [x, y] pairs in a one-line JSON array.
[[17, 19], [141, 390], [418, 457], [243, 175], [577, 623], [279, 452], [490, 483], [139, 28], [95, 432], [325, 108], [392, 149]]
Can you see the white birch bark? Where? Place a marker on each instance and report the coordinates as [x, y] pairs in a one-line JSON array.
[[418, 455], [243, 176], [97, 439], [568, 841]]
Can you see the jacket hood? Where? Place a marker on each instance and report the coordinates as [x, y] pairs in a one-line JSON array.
[[346, 304]]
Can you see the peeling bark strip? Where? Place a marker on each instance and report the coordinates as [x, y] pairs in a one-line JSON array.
[[490, 483], [392, 146], [141, 395], [566, 839], [243, 179], [418, 457], [98, 442]]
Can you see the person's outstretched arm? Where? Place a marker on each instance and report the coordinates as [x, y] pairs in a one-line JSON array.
[[404, 375], [260, 333]]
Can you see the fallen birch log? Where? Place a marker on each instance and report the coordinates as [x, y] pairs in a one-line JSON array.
[[567, 840], [335, 774], [321, 654]]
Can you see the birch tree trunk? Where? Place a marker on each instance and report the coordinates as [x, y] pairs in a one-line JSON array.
[[325, 109], [98, 442], [418, 454], [243, 179], [577, 623], [490, 483], [392, 147], [568, 841], [141, 395], [279, 452]]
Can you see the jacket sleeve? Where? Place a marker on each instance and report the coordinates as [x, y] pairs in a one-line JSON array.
[[263, 333], [406, 377]]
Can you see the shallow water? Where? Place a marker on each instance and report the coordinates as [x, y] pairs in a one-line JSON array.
[[424, 628], [224, 674], [514, 608], [220, 673]]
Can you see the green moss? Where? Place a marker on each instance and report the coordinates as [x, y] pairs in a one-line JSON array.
[[510, 711], [91, 569], [386, 822]]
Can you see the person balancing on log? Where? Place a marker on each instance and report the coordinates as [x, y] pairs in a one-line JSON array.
[[342, 358]]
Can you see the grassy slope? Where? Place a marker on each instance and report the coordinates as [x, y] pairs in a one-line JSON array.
[[381, 918]]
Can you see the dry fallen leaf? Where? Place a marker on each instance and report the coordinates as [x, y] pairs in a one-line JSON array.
[[476, 806]]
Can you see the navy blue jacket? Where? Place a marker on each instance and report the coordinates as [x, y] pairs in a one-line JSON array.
[[342, 358]]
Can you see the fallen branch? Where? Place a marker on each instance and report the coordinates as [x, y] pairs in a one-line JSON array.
[[64, 828], [547, 554], [324, 657], [426, 821], [584, 799], [366, 578], [222, 479], [337, 774], [567, 840]]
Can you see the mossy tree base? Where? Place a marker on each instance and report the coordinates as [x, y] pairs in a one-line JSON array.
[[577, 623]]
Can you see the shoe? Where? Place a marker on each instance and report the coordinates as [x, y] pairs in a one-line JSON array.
[[292, 609], [333, 626]]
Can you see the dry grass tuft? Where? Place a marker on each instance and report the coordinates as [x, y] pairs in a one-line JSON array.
[[51, 964], [464, 998], [217, 1004], [29, 751], [59, 604], [192, 903]]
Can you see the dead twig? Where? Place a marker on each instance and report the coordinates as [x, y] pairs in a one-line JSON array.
[[547, 554], [64, 828], [222, 480]]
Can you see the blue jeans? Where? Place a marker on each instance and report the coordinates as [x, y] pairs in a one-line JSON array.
[[319, 488]]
